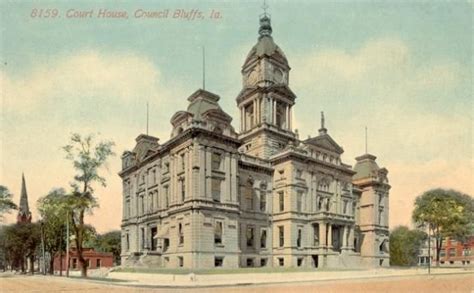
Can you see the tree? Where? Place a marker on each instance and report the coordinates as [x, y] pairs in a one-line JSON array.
[[447, 213], [87, 158], [405, 245], [6, 203], [53, 209], [109, 242], [21, 243]]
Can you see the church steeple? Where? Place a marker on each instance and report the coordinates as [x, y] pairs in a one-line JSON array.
[[24, 214]]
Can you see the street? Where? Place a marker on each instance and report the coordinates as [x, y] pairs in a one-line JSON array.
[[419, 284]]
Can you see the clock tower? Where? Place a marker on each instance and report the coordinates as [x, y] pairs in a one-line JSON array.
[[265, 101]]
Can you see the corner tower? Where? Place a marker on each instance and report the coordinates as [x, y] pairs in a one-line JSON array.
[[265, 101]]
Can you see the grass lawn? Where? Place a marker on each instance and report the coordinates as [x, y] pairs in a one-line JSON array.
[[223, 271]]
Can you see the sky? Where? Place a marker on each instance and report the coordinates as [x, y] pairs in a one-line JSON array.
[[402, 68]]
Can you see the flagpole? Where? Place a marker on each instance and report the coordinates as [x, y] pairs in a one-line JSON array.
[[67, 244]]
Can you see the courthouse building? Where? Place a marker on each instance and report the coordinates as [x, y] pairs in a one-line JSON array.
[[214, 197]]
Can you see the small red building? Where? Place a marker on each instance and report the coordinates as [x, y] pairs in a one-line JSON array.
[[457, 253], [94, 259]]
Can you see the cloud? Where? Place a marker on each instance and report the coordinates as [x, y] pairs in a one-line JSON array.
[[418, 110], [85, 92]]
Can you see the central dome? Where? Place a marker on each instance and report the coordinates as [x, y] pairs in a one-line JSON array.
[[265, 46]]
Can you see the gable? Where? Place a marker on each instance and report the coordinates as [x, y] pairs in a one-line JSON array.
[[325, 142]]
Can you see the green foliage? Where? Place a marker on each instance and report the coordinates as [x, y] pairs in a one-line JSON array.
[[405, 245], [6, 203], [87, 158], [447, 213], [53, 209], [21, 241], [109, 242]]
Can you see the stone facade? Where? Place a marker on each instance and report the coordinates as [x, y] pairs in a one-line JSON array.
[[211, 197]]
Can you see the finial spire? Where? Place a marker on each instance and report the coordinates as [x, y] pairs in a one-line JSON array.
[[265, 29], [203, 67], [264, 7], [147, 117], [366, 149], [322, 119], [323, 129]]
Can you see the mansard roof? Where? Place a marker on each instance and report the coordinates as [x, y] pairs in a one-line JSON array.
[[366, 167], [326, 142], [203, 104]]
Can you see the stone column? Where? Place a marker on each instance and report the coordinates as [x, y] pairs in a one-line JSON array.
[[255, 111], [322, 235], [208, 173], [202, 171], [290, 118], [351, 238], [227, 188], [287, 121], [344, 237], [233, 178], [329, 235], [242, 119], [274, 111]]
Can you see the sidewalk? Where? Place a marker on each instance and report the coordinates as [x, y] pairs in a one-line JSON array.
[[193, 280]]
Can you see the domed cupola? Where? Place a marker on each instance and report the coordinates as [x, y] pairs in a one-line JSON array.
[[265, 101]]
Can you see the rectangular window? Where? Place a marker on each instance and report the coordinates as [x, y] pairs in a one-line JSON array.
[[97, 263], [250, 236], [281, 197], [216, 189], [180, 233], [452, 252], [216, 162], [183, 189], [218, 233], [166, 167], [183, 162], [344, 207], [442, 252], [250, 262], [263, 201], [281, 261], [263, 262], [74, 263], [298, 239], [263, 238], [154, 240], [153, 174], [281, 236], [250, 198], [167, 196], [299, 201], [316, 235], [218, 261], [127, 242], [299, 261], [180, 261], [142, 232]]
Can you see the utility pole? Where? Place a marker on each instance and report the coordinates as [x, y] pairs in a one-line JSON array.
[[42, 248], [429, 250], [67, 244]]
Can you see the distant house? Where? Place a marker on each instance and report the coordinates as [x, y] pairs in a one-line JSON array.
[[452, 252], [94, 259], [456, 252]]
